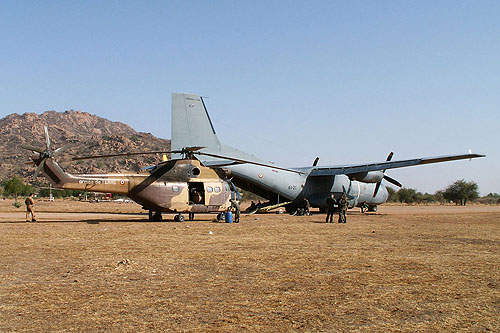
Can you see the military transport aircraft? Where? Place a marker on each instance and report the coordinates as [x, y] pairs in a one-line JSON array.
[[191, 126], [177, 186]]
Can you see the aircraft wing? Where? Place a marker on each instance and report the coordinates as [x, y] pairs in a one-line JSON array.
[[357, 168]]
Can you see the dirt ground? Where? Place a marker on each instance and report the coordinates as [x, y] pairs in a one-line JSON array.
[[96, 267]]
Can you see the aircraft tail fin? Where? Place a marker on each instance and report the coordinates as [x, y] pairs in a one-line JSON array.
[[192, 127], [55, 174], [191, 124]]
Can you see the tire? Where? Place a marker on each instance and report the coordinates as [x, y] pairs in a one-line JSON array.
[[180, 218], [372, 208], [157, 217], [221, 217]]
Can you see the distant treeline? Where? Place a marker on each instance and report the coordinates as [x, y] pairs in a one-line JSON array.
[[15, 187], [460, 192]]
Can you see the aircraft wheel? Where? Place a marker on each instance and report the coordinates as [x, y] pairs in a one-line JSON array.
[[157, 217], [179, 218], [150, 215], [372, 208], [221, 217]]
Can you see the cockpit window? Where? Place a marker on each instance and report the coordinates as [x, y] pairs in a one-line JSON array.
[[217, 189], [175, 188], [210, 189]]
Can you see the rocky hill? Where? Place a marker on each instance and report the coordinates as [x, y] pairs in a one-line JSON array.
[[88, 135]]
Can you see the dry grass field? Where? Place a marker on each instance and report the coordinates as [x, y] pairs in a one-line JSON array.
[[83, 267]]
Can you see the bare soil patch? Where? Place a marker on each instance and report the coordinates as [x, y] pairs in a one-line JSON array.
[[95, 267]]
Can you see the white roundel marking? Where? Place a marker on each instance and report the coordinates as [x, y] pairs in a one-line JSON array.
[[261, 175], [122, 182]]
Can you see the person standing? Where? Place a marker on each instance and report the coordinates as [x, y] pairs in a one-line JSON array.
[[307, 207], [330, 208], [343, 203], [236, 206], [29, 208]]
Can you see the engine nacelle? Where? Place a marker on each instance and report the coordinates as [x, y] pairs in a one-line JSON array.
[[367, 177]]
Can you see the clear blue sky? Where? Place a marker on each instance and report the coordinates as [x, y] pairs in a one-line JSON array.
[[348, 81]]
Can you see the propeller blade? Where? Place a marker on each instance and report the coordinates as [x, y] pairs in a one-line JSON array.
[[125, 154], [393, 181], [40, 166], [376, 188], [316, 160], [28, 147], [182, 151], [47, 138], [61, 149], [249, 162], [389, 157]]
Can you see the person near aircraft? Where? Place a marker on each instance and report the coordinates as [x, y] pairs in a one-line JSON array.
[[306, 206], [29, 208], [330, 206], [196, 196], [236, 206], [253, 206], [343, 204]]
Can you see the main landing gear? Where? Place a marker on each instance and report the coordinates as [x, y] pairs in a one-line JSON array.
[[155, 216], [179, 218]]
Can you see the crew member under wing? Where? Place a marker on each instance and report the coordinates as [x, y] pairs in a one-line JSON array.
[[191, 126]]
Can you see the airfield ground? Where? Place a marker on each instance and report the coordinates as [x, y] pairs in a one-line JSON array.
[[95, 267]]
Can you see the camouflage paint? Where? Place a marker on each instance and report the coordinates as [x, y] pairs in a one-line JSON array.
[[165, 188]]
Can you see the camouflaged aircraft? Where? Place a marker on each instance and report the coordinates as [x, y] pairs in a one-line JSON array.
[[191, 126], [176, 186]]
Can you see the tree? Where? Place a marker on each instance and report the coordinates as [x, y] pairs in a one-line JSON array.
[[407, 195], [393, 195], [490, 199], [428, 198], [14, 186], [461, 192]]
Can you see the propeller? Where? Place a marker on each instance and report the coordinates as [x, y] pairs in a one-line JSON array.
[[389, 179], [189, 153], [44, 154], [316, 160]]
